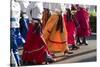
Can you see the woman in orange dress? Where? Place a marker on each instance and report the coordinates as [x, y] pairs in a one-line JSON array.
[[55, 32]]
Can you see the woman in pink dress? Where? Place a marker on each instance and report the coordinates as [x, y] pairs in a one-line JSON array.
[[71, 24]]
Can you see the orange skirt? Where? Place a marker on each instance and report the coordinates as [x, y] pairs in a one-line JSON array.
[[56, 41]]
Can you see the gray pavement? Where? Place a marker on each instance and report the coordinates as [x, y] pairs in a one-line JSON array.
[[84, 54]]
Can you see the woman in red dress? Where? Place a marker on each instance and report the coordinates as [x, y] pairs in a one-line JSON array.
[[35, 50], [84, 29]]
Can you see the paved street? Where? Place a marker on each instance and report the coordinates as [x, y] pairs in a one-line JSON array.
[[84, 54]]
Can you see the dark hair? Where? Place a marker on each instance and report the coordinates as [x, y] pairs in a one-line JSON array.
[[48, 13], [73, 7], [38, 27], [60, 24], [69, 15], [21, 14]]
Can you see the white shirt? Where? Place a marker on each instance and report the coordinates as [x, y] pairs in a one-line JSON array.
[[15, 13], [36, 9], [24, 5]]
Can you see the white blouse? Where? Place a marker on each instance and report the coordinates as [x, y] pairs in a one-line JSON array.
[[15, 14], [34, 10]]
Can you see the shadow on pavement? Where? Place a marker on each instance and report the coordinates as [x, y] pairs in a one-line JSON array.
[[74, 55]]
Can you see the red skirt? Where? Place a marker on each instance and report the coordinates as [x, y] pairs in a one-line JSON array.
[[34, 49], [71, 29], [84, 29]]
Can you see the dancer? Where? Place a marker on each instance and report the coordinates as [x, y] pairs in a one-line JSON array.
[[71, 25], [55, 32], [84, 29], [16, 38], [24, 20], [35, 50]]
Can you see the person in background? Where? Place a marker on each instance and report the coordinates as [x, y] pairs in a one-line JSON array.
[[24, 20], [15, 36], [84, 29], [46, 14], [35, 50], [55, 32]]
